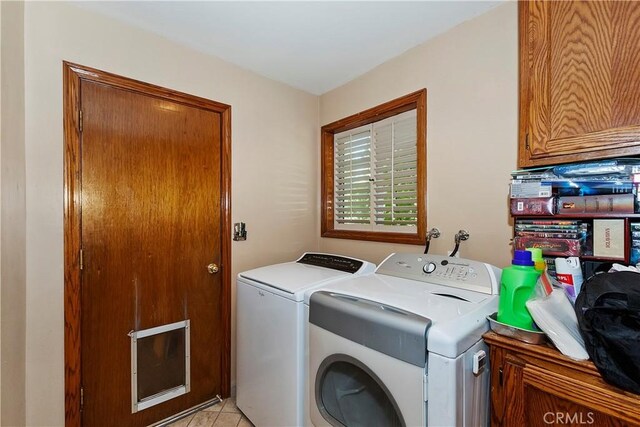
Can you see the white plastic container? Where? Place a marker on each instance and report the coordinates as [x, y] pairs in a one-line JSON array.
[[569, 274]]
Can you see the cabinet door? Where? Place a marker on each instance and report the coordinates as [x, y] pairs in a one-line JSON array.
[[551, 398], [579, 80], [507, 405], [543, 409]]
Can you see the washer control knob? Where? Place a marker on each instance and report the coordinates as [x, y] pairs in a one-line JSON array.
[[429, 268]]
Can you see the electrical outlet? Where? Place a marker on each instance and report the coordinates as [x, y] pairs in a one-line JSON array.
[[239, 231]]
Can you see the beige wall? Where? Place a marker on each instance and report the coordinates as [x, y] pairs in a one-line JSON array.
[[275, 141], [12, 215], [1, 139], [470, 73]]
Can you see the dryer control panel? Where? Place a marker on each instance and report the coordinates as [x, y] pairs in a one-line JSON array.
[[335, 262], [446, 271]]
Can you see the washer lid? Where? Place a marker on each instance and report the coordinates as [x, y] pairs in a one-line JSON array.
[[292, 279]]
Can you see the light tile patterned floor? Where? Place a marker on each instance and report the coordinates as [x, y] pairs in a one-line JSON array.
[[223, 414]]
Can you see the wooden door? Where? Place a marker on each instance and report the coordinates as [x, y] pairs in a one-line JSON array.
[[152, 216], [579, 80]]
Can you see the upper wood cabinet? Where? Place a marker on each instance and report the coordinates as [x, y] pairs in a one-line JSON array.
[[579, 80]]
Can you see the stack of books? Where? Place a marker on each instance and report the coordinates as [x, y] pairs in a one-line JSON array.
[[635, 243], [554, 236], [601, 188]]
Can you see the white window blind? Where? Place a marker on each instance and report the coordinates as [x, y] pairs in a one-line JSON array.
[[352, 160], [376, 175]]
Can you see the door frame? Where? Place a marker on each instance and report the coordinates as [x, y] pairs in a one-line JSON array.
[[73, 75]]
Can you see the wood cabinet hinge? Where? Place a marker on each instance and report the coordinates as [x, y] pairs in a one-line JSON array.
[[526, 141], [81, 398], [80, 120], [81, 259]]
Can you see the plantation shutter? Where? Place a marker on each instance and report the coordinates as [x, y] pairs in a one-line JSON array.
[[352, 162], [376, 174], [396, 170]]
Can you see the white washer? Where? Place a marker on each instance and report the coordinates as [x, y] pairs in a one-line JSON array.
[[403, 346], [271, 339]]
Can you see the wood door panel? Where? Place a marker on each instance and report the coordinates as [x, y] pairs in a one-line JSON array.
[[513, 370], [534, 73], [579, 80], [579, 68], [540, 386], [150, 225], [543, 409], [626, 64], [497, 407], [577, 396]]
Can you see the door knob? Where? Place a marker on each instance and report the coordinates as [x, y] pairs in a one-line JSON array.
[[212, 268]]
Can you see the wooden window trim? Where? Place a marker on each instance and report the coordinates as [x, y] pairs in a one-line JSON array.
[[416, 100]]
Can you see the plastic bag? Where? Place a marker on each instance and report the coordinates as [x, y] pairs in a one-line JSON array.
[[555, 316]]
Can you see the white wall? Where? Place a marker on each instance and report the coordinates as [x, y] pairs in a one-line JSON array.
[[274, 187], [470, 73], [12, 215]]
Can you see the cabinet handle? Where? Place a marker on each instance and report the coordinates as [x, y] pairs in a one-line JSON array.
[[500, 376]]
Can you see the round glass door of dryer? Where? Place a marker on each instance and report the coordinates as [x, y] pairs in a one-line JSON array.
[[349, 394]]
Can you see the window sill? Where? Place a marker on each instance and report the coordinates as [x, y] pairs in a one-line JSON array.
[[373, 236]]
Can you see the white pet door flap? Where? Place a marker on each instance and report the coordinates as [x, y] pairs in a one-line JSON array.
[[159, 364]]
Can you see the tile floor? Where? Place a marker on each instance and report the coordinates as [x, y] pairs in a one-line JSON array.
[[223, 414]]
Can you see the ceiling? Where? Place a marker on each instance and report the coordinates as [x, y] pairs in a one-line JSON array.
[[315, 46]]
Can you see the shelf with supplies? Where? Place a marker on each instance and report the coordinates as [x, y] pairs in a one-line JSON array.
[[594, 238], [586, 210]]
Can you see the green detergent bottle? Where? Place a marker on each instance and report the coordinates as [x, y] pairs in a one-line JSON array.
[[516, 286]]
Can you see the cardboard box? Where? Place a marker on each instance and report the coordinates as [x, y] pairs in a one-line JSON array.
[[608, 238], [532, 206], [611, 204], [524, 189], [556, 247]]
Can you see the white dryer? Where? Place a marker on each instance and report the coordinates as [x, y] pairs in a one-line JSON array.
[[403, 347], [271, 339]]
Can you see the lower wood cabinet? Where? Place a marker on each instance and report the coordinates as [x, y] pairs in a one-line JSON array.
[[535, 385]]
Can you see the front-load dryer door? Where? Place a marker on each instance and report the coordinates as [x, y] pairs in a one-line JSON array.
[[352, 385], [366, 362], [348, 393]]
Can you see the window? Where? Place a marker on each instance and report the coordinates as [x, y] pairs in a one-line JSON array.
[[374, 173]]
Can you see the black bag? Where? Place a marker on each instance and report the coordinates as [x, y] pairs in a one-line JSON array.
[[608, 311]]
